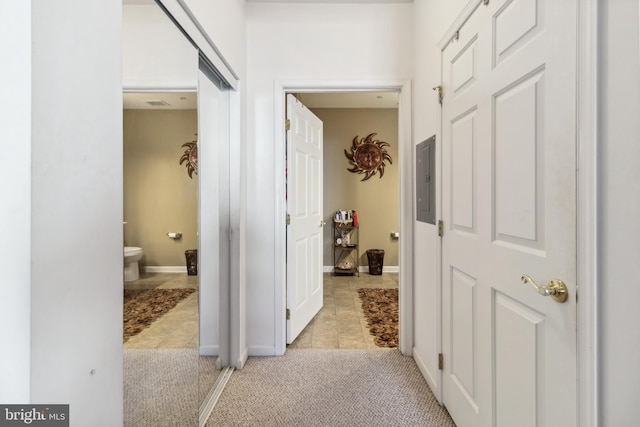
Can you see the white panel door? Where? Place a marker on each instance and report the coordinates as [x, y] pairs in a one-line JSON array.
[[509, 199], [304, 205]]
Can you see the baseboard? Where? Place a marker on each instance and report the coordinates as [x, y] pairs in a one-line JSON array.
[[425, 372], [209, 350], [365, 269], [165, 269], [259, 350], [242, 359]]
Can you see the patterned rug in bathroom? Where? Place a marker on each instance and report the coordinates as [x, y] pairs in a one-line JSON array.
[[143, 306], [380, 307]]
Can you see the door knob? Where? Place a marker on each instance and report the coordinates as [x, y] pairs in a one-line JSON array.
[[322, 223], [556, 288]]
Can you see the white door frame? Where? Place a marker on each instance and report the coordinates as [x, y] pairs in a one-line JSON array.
[[587, 197], [405, 167]]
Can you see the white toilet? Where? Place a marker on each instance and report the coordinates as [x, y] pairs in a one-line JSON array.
[[131, 257]]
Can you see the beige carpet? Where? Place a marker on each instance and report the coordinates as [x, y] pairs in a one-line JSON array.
[[329, 388], [164, 388]]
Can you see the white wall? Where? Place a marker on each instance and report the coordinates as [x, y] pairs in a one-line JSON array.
[[155, 54], [224, 23], [15, 193], [619, 222], [76, 221], [317, 42], [432, 19]]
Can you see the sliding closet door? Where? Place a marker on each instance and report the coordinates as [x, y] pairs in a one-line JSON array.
[[214, 220]]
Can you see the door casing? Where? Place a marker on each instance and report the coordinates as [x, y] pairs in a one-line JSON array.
[[405, 166]]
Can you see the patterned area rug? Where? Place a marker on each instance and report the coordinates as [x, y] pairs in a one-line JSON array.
[[143, 306], [380, 307]]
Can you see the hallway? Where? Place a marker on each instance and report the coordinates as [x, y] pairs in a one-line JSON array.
[[312, 387]]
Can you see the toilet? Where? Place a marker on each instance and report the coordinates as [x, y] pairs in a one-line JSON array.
[[131, 257]]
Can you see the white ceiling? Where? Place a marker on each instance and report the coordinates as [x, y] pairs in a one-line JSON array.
[[175, 101]]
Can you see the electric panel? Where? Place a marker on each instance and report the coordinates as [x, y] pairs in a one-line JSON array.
[[426, 180]]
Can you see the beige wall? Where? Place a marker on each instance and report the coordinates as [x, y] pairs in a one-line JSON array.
[[159, 196], [375, 200]]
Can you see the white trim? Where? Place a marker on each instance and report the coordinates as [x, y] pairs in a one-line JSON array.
[[159, 89], [237, 316], [242, 359], [385, 269], [404, 87], [214, 394], [406, 177], [165, 269], [209, 350], [438, 390], [458, 23], [262, 350], [186, 20], [587, 196], [365, 269]]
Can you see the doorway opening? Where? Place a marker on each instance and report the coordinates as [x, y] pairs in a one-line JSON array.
[[161, 220], [350, 114]]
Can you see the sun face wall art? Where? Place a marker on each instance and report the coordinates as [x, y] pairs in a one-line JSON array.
[[368, 156]]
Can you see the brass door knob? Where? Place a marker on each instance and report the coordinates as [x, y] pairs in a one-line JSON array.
[[556, 288]]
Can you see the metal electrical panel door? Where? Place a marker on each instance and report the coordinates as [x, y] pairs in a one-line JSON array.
[[426, 180]]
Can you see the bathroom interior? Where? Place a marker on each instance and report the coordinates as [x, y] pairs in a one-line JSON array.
[[341, 323], [161, 213]]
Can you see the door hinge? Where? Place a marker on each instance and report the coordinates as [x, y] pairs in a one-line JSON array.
[[440, 361], [287, 124], [288, 314], [440, 93], [440, 228], [288, 219]]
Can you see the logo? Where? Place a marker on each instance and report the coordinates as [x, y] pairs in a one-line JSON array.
[[34, 415]]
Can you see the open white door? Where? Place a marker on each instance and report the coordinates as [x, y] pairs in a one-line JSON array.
[[509, 209], [304, 206]]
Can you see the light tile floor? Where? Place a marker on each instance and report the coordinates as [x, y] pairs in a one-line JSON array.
[[341, 322], [179, 327]]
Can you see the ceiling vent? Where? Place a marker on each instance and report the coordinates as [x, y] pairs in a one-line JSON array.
[[158, 103]]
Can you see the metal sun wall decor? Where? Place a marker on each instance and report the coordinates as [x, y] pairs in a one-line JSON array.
[[190, 156], [368, 156]]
